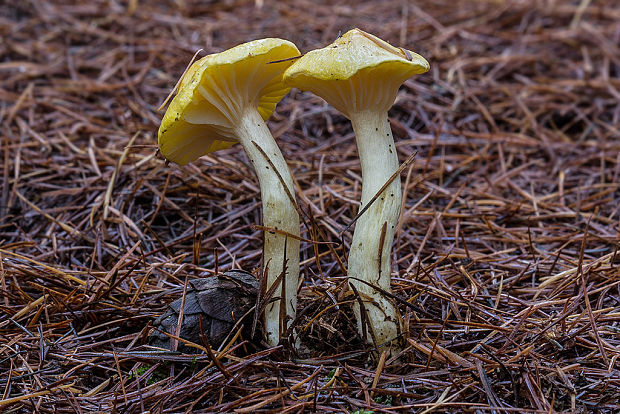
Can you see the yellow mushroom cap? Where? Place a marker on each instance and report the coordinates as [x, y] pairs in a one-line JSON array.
[[357, 72], [215, 92]]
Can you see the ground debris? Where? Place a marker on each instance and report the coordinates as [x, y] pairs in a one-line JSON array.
[[506, 256]]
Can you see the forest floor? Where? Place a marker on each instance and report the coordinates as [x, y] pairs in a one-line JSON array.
[[506, 256]]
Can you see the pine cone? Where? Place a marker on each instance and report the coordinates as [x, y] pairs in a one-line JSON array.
[[219, 300]]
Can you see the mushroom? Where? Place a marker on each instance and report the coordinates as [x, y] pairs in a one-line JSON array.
[[225, 98], [359, 74]]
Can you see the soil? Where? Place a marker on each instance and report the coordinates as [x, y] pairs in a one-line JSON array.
[[505, 265]]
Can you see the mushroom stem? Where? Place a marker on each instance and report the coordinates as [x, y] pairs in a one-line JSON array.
[[278, 213], [369, 257]]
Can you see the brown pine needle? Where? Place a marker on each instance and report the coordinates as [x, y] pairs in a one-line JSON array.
[[505, 268]]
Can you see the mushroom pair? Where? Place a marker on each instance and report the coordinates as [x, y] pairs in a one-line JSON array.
[[225, 98]]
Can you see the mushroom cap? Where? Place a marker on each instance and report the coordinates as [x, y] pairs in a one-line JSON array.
[[357, 72], [216, 90]]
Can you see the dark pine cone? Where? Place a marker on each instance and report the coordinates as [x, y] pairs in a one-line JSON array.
[[219, 300]]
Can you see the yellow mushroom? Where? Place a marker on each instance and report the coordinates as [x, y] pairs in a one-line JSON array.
[[359, 74], [223, 99]]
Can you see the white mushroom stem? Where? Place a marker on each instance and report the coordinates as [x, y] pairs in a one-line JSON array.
[[369, 257], [278, 213]]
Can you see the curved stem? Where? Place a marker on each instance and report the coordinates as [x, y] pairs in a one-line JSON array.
[[369, 258], [278, 213]]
